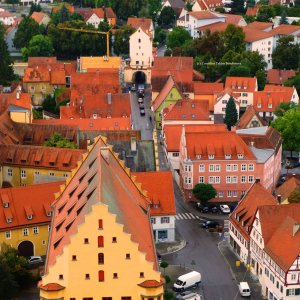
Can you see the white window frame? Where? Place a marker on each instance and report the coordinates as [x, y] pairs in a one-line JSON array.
[[201, 168], [228, 168], [251, 167], [235, 168], [243, 167], [201, 179], [211, 179], [23, 174], [234, 179], [10, 172], [240, 156], [234, 194], [217, 179], [211, 156], [25, 232], [251, 179], [211, 168], [221, 194], [228, 179], [8, 235], [217, 168], [165, 220], [35, 230], [243, 179], [229, 194]]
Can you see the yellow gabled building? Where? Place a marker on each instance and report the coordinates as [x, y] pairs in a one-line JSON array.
[[101, 241], [25, 216]]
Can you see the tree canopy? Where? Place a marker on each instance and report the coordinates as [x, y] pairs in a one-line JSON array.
[[284, 107], [237, 7], [204, 192], [289, 127], [26, 30], [178, 37], [231, 114], [58, 141], [121, 43], [167, 17], [39, 45], [234, 38], [34, 7], [6, 70], [265, 14]]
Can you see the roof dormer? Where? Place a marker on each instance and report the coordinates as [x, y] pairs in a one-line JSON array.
[[29, 212], [5, 200]]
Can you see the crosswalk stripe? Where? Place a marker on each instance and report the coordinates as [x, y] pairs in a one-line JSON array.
[[197, 217], [180, 217], [193, 217], [188, 216]]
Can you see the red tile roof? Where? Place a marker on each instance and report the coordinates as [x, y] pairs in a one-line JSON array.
[[187, 109], [40, 157], [86, 124], [35, 61], [204, 15], [280, 242], [39, 16], [88, 104], [68, 6], [247, 117], [52, 287], [269, 100], [173, 133], [204, 144], [285, 29], [170, 63], [207, 88], [252, 11], [151, 283], [288, 89], [144, 23], [260, 25], [158, 194], [99, 12], [276, 76], [218, 26], [101, 178], [39, 198], [241, 84], [244, 214], [252, 34], [289, 186]]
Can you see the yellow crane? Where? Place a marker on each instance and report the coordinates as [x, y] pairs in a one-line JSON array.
[[91, 31]]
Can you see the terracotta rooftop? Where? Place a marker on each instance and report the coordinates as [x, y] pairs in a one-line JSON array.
[[144, 23], [40, 157], [98, 62], [161, 196], [252, 34], [184, 80], [87, 124], [205, 15], [99, 12], [35, 61], [173, 133], [277, 88], [151, 283], [278, 77], [281, 236], [218, 144], [90, 105], [207, 88], [187, 109], [218, 26], [100, 178], [289, 186], [32, 134], [244, 214], [285, 29], [53, 287], [6, 14], [252, 11], [170, 63], [39, 16], [241, 84], [247, 116], [264, 26], [35, 210]]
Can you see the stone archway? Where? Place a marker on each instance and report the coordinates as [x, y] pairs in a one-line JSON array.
[[139, 77], [25, 249]]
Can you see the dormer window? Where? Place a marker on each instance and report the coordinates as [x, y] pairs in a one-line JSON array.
[[270, 105], [49, 213], [240, 156], [94, 116], [155, 206], [227, 156], [259, 105], [198, 156], [6, 205], [245, 87], [211, 156], [8, 220], [29, 217]]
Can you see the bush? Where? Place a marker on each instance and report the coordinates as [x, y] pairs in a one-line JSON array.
[[168, 295]]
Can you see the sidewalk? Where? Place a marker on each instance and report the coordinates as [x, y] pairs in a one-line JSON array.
[[164, 248], [240, 273]]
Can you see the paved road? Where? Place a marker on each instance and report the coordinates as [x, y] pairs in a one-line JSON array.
[[201, 254], [161, 50], [139, 122]]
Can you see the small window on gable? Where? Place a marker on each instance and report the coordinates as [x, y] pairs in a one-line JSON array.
[[227, 156], [101, 276], [240, 156], [100, 224]]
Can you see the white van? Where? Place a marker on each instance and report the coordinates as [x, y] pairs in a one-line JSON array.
[[244, 289], [187, 280]]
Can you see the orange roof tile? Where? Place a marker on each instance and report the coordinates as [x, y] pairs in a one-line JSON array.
[[87, 124], [204, 15], [100, 179], [207, 88], [38, 16], [247, 116], [169, 63], [252, 34], [99, 12], [264, 26], [144, 23], [214, 144], [289, 186], [51, 287], [172, 133], [241, 84], [285, 29], [49, 158], [151, 283], [278, 77], [280, 242], [252, 11], [35, 61], [161, 194], [38, 197], [187, 109], [244, 214], [218, 26]]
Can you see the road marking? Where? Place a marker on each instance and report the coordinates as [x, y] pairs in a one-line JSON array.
[[197, 217], [188, 216], [178, 217], [193, 217]]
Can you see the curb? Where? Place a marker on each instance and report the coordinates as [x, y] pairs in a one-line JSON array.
[[174, 251]]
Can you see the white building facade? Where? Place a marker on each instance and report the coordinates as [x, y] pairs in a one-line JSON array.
[[163, 228]]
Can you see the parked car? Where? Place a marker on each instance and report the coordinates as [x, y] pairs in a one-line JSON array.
[[244, 289], [141, 105], [185, 281], [140, 100], [202, 208], [140, 94], [133, 88], [210, 224], [188, 295], [214, 209], [225, 209], [142, 112], [34, 260]]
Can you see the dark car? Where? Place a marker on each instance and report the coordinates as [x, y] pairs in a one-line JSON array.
[[202, 208], [140, 100], [141, 105], [133, 88], [210, 224], [181, 295], [281, 180], [142, 112], [140, 94], [214, 209]]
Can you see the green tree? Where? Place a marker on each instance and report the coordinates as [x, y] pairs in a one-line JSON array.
[[8, 285], [237, 7], [283, 18], [167, 17], [178, 37], [250, 3], [289, 127], [234, 38], [164, 265], [231, 114], [121, 43], [239, 71], [154, 6], [49, 104], [283, 107], [34, 7], [168, 295], [129, 8], [249, 19], [160, 35], [6, 70], [39, 45], [204, 192], [294, 197], [265, 14], [12, 2], [286, 54], [26, 30], [294, 81], [188, 5], [261, 77], [58, 141]]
